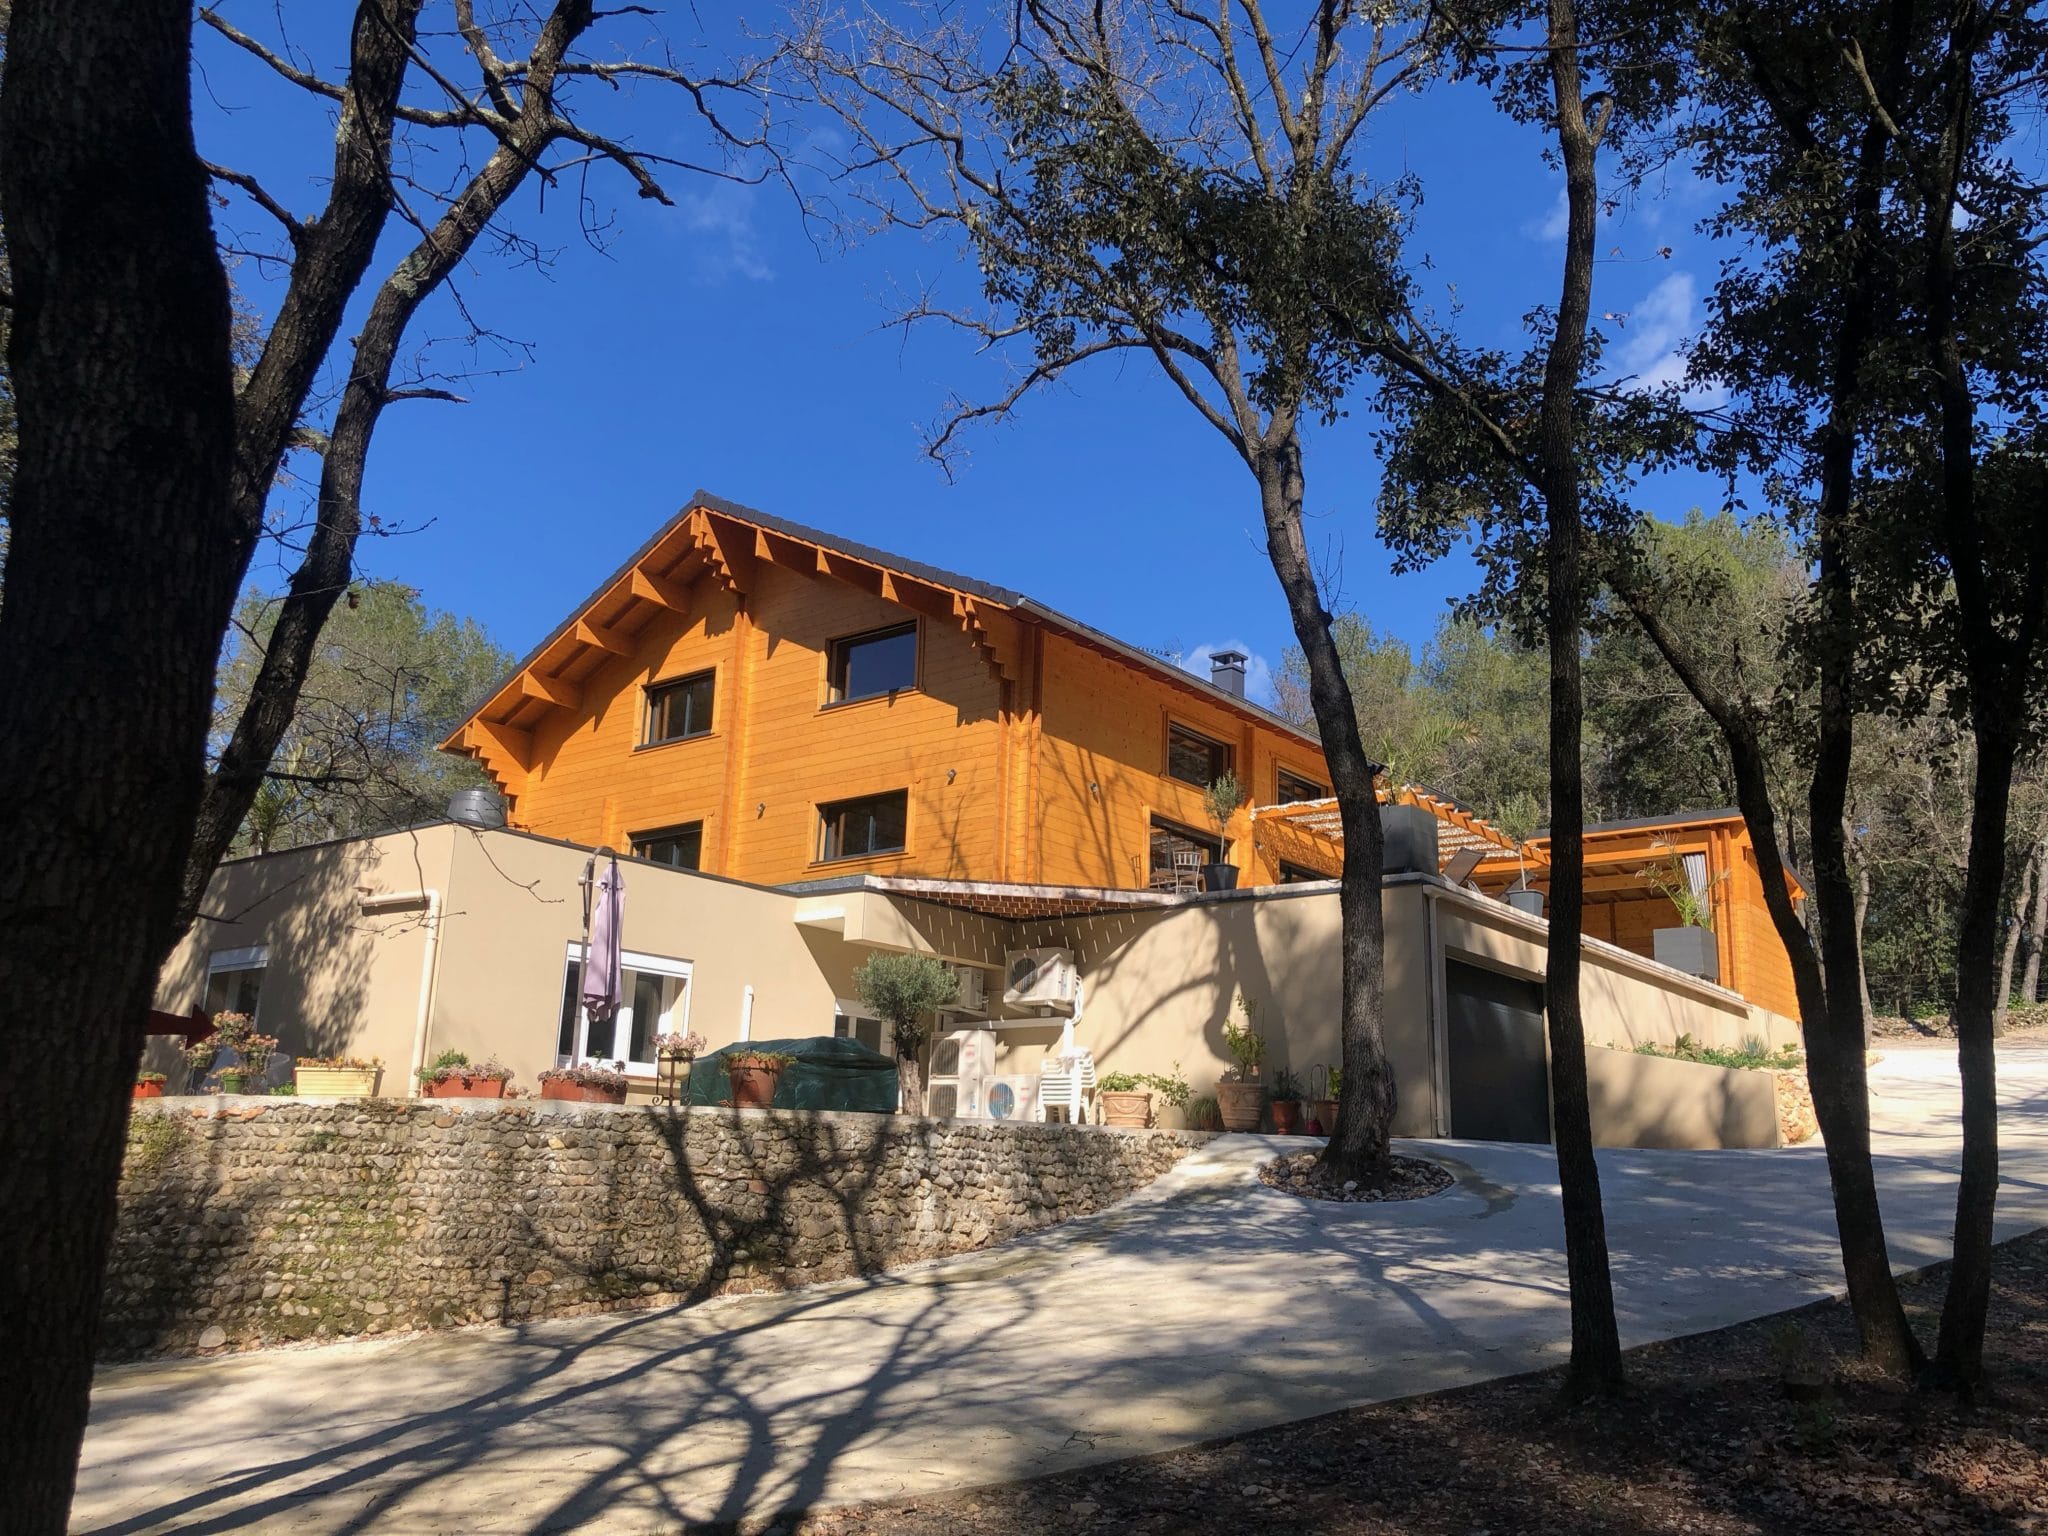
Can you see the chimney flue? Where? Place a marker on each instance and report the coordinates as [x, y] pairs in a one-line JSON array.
[[1226, 671]]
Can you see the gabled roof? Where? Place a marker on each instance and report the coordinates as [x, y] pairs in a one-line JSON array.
[[727, 541]]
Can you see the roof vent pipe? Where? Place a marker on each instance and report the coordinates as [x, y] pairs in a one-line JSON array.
[[1226, 671]]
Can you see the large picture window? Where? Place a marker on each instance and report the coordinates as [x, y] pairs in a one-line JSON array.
[[1194, 758], [654, 1000], [853, 829], [679, 710], [851, 1022], [883, 661]]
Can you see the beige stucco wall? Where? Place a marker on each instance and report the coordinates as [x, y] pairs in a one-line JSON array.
[[1652, 1101], [339, 979]]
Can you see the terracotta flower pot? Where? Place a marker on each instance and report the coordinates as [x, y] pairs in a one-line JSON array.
[[149, 1090], [1242, 1104], [1326, 1112], [580, 1093], [470, 1087], [1287, 1116], [753, 1087], [1132, 1110]]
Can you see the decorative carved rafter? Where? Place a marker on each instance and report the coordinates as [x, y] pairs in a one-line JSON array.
[[725, 555]]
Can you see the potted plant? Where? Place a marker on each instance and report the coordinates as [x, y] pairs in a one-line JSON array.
[[1691, 946], [149, 1085], [339, 1077], [1171, 1089], [905, 990], [1126, 1101], [1222, 799], [1518, 819], [235, 1032], [1240, 1095], [673, 1053], [1286, 1102], [1324, 1107], [584, 1083], [754, 1076], [1204, 1115], [454, 1076]]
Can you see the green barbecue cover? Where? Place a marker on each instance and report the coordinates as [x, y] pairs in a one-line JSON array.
[[828, 1073]]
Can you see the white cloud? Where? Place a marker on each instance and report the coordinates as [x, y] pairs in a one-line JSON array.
[[1554, 223], [719, 225], [1651, 338], [1258, 672]]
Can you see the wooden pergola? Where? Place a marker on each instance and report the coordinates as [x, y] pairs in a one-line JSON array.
[[1460, 829]]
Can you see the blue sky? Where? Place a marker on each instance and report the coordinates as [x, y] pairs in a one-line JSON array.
[[715, 344]]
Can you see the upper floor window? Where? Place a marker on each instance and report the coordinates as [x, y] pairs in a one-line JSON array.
[[872, 824], [1193, 758], [681, 847], [679, 709], [1293, 787], [870, 665]]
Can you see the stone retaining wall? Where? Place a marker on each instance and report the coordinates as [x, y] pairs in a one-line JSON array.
[[274, 1222]]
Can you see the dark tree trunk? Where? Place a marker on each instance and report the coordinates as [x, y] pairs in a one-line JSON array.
[[121, 577], [1596, 1343], [2036, 920], [2015, 931], [1358, 1147]]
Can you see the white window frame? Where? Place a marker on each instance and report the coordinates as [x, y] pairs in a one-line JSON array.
[[222, 962], [850, 1009], [630, 960]]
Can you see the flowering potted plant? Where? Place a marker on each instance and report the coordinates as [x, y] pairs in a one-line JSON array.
[[754, 1075], [1240, 1095], [680, 1047], [149, 1085], [454, 1076], [340, 1077], [234, 1032], [584, 1083]]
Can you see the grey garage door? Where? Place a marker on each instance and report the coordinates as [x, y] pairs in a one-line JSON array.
[[1500, 1082]]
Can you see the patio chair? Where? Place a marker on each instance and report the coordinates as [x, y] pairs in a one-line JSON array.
[[1067, 1082], [1187, 868]]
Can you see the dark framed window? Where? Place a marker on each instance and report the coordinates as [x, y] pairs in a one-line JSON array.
[[1177, 854], [679, 709], [853, 829], [1295, 874], [882, 661], [1293, 787], [1193, 758], [682, 847]]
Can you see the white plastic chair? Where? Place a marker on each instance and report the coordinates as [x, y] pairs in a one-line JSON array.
[[1067, 1081]]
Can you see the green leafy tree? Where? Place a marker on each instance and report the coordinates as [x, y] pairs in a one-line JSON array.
[[388, 681], [906, 991], [1167, 182]]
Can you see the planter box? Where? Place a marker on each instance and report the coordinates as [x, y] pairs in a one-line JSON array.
[[1691, 950], [579, 1093], [464, 1088], [336, 1082], [1219, 877], [1132, 1110], [1243, 1105], [149, 1090]]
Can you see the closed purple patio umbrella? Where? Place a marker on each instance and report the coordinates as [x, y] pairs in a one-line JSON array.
[[603, 980]]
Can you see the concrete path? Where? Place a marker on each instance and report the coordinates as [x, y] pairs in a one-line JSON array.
[[1207, 1304]]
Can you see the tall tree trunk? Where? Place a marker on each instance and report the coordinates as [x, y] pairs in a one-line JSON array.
[[1596, 1341], [2037, 921], [1358, 1147], [2015, 928], [121, 577]]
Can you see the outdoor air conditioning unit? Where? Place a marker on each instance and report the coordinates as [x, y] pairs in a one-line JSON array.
[[963, 1066], [973, 994], [1011, 1096], [1041, 978]]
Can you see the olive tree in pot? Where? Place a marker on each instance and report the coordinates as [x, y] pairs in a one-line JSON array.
[[1240, 1095], [1222, 799], [904, 990], [1690, 947]]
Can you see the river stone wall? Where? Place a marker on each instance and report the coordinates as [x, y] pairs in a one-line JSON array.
[[260, 1223]]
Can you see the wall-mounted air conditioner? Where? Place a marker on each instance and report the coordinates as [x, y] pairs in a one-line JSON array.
[[1041, 978], [972, 981], [963, 1064]]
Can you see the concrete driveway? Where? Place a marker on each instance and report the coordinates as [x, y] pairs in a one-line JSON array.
[[1206, 1305]]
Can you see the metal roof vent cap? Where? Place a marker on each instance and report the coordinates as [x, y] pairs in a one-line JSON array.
[[477, 808], [1226, 671]]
